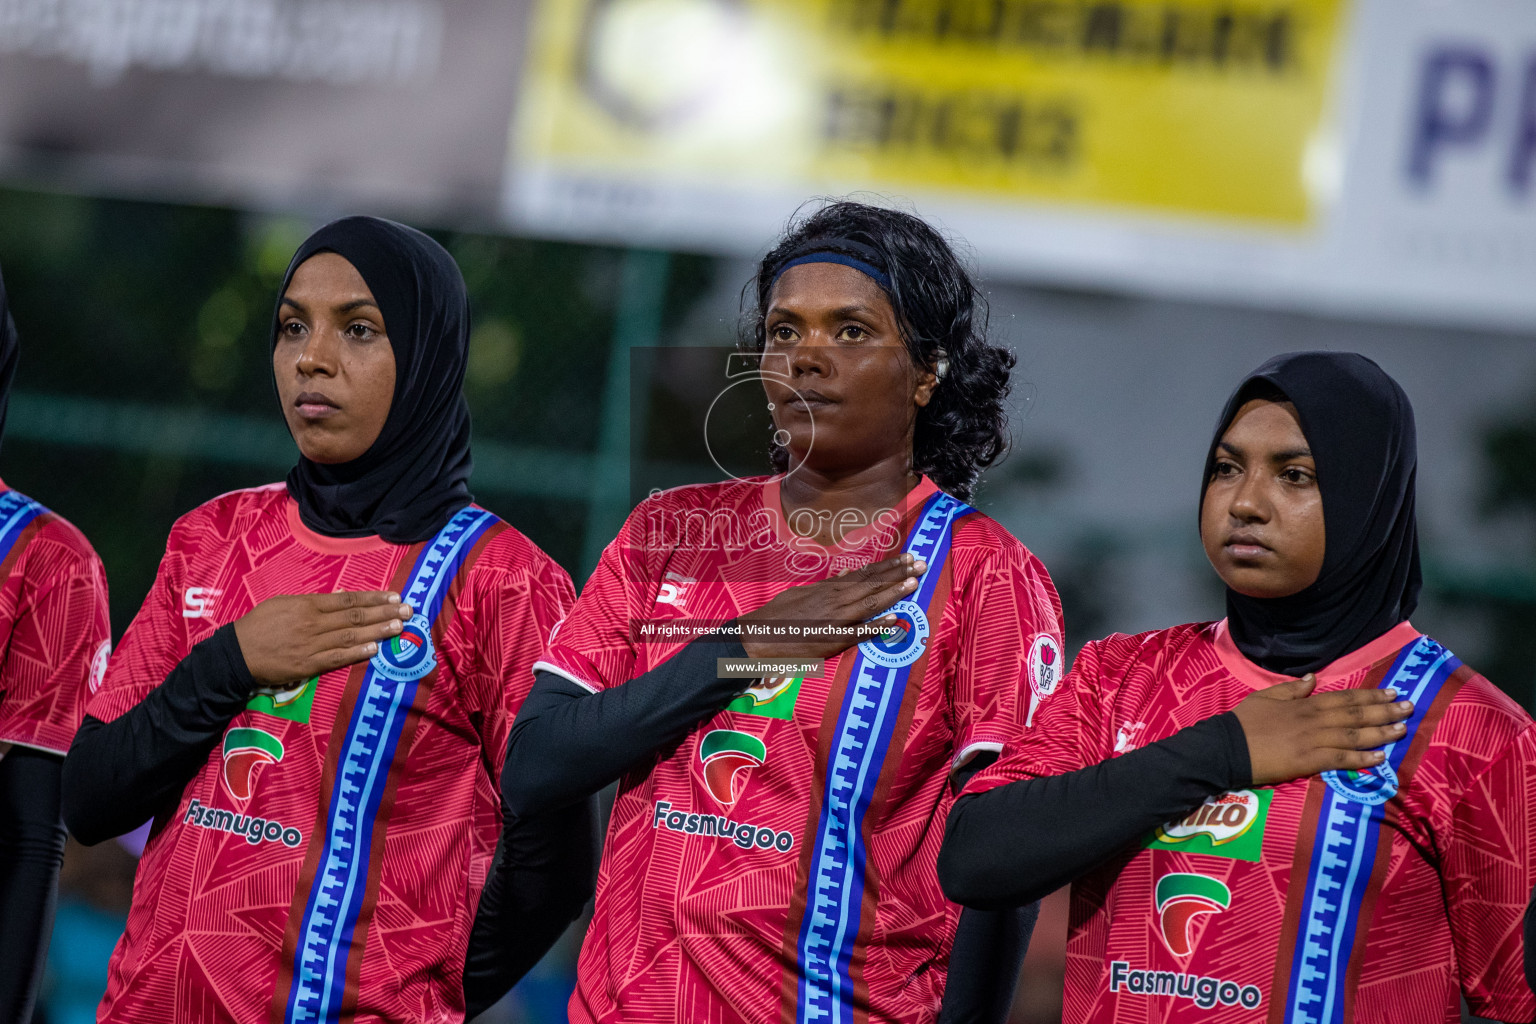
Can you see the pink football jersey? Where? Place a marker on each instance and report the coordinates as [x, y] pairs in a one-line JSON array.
[[779, 863], [1371, 897], [327, 860], [54, 629]]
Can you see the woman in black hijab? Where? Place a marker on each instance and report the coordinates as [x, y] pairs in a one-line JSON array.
[[1284, 864], [415, 474], [53, 640], [1359, 424], [313, 702]]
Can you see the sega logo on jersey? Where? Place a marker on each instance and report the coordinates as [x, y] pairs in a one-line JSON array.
[[197, 602], [674, 589]]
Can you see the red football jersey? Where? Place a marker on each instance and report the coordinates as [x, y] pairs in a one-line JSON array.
[[54, 629], [1372, 897], [327, 860], [779, 863]]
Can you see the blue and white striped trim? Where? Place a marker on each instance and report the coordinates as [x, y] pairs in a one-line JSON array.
[[1344, 854], [368, 751], [835, 891], [16, 512]]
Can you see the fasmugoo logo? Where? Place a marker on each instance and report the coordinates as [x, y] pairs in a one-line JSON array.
[[743, 834], [255, 830], [1204, 992]]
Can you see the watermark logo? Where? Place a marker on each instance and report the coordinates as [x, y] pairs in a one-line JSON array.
[[1181, 897], [754, 425], [760, 374], [727, 757]]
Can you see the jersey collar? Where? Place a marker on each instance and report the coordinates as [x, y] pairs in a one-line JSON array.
[[773, 502], [319, 542], [1357, 660]]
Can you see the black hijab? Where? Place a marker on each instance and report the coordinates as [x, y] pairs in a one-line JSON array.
[[416, 474], [10, 354], [1359, 425]]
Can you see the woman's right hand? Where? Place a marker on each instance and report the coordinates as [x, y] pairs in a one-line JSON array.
[[288, 639], [1292, 735], [848, 601]]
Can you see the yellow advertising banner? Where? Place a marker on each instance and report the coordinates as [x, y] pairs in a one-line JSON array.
[[1211, 108]]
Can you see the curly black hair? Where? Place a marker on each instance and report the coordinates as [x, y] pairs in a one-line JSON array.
[[964, 427]]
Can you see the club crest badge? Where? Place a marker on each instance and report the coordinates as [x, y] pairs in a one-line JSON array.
[[1369, 786], [408, 656], [99, 664], [1044, 665], [903, 643], [1045, 671]]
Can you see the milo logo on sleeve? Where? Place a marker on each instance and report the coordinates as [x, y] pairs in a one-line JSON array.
[[1228, 825]]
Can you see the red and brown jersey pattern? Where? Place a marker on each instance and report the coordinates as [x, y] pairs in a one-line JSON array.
[[232, 916], [54, 629], [1370, 897], [727, 892]]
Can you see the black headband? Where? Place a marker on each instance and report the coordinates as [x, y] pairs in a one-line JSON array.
[[864, 259]]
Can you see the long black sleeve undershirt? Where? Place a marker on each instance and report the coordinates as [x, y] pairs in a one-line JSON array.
[[568, 743], [543, 875], [988, 950], [1530, 942], [984, 964], [31, 850], [121, 773], [1014, 844]]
